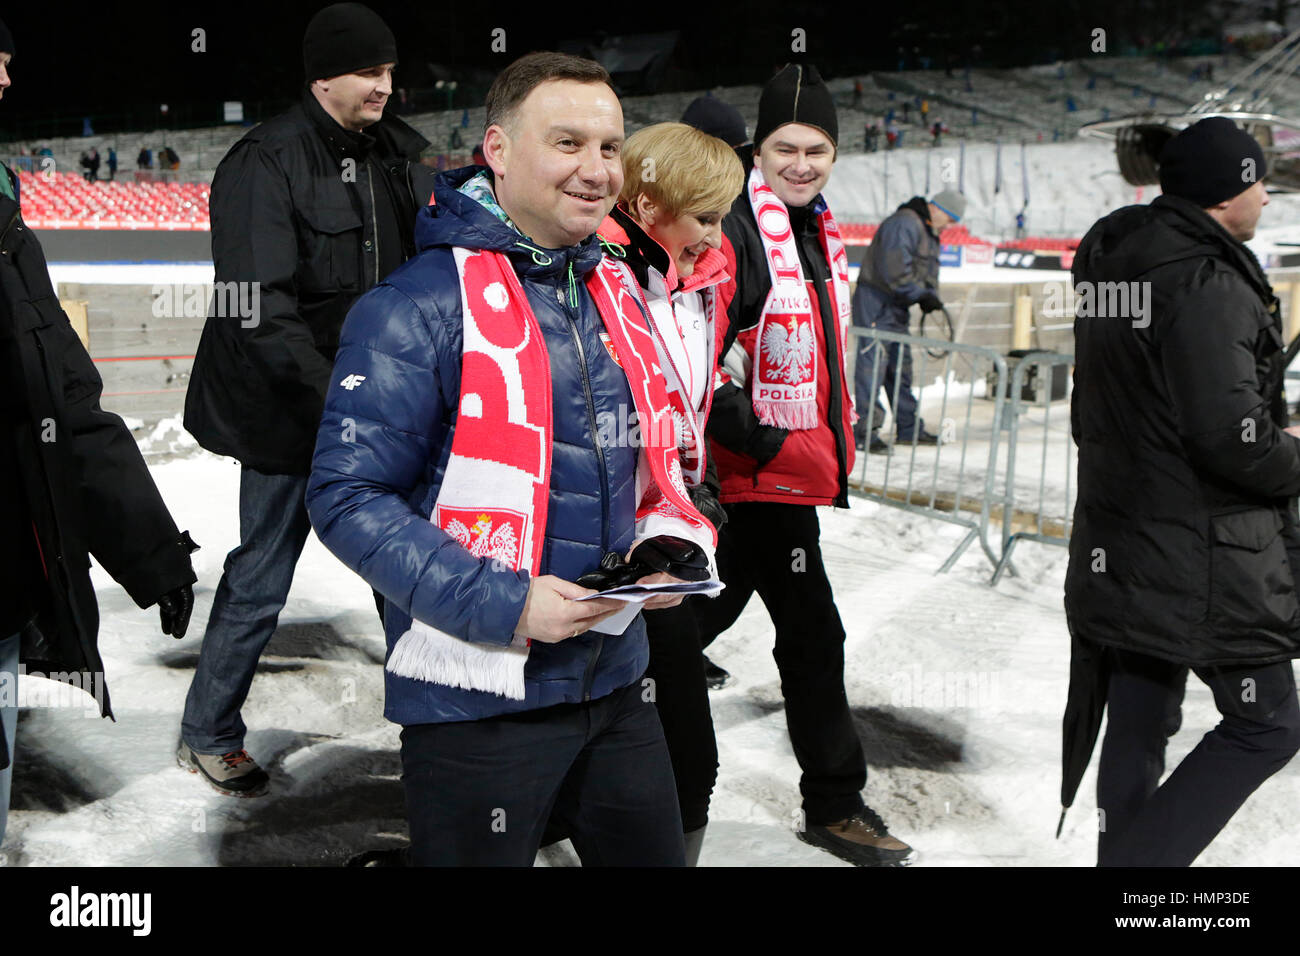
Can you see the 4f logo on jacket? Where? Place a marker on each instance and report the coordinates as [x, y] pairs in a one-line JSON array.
[[352, 381]]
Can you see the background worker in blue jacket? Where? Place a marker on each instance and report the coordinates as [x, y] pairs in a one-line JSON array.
[[484, 771], [900, 269]]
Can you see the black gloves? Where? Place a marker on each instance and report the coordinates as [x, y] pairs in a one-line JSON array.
[[930, 302], [174, 609], [683, 559], [707, 504], [765, 443], [175, 606]]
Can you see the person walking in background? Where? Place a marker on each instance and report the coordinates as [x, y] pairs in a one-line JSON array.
[[899, 270], [312, 208], [1185, 547]]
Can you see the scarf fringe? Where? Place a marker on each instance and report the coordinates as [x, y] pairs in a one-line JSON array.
[[425, 654], [792, 416]]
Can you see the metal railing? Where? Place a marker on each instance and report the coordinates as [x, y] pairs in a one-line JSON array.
[[981, 395], [1034, 391], [966, 499]]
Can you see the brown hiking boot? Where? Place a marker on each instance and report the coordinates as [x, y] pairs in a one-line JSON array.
[[235, 774], [862, 839]]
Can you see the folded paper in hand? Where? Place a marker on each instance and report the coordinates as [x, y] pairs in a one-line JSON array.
[[637, 594]]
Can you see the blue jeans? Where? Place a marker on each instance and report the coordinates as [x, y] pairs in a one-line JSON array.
[[8, 720], [895, 367], [273, 527]]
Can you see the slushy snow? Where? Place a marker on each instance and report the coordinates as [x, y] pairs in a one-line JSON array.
[[957, 688]]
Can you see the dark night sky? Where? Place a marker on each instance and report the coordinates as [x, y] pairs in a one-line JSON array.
[[110, 59]]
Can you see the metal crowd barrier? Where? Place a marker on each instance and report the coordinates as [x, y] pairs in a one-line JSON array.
[[966, 498], [957, 480], [1039, 380]]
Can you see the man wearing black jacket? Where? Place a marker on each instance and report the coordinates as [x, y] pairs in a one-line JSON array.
[[72, 484], [1185, 546], [310, 209]]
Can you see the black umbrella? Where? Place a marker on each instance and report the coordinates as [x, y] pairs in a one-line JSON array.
[[1086, 702]]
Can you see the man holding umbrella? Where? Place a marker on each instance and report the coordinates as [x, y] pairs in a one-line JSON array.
[[1185, 543]]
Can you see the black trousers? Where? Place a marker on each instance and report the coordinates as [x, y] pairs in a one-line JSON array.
[[480, 792], [677, 670], [1145, 823], [775, 550]]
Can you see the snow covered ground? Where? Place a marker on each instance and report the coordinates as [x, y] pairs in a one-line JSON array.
[[957, 688]]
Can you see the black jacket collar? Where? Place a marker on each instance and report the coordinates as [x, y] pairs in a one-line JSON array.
[[356, 145], [1197, 223], [390, 138], [643, 252]]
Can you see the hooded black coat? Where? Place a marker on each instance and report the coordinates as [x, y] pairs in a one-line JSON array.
[[72, 480], [315, 215], [1185, 539]]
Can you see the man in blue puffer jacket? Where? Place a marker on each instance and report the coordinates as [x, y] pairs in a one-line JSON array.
[[482, 771]]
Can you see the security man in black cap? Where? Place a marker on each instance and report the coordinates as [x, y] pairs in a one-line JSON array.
[[1185, 549], [309, 210]]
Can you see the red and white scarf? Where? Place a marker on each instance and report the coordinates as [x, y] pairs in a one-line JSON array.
[[785, 360], [691, 446], [494, 494], [684, 366]]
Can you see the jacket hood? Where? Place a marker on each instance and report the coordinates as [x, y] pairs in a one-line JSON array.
[[1136, 239], [454, 219], [921, 207]]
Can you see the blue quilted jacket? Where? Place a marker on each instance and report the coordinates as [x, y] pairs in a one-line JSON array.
[[386, 435]]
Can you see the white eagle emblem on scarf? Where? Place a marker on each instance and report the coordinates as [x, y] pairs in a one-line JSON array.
[[790, 352], [483, 541]]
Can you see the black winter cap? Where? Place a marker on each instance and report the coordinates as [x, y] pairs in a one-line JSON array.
[[710, 115], [1207, 162], [796, 95], [6, 39], [344, 38]]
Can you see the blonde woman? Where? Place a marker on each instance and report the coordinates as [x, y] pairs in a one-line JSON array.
[[678, 185]]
